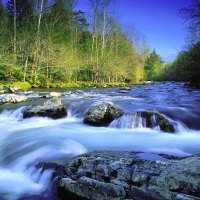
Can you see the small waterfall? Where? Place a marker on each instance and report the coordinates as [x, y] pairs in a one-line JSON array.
[[146, 119], [20, 176], [13, 114], [75, 109]]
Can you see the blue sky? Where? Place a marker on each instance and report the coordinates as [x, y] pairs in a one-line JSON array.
[[157, 20]]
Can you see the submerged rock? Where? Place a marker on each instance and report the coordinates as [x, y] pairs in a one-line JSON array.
[[12, 98], [149, 119], [101, 113], [124, 89], [52, 108], [125, 175]]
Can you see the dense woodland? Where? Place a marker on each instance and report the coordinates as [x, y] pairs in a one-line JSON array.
[[49, 43], [52, 44]]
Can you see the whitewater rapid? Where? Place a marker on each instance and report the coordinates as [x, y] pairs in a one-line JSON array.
[[25, 143]]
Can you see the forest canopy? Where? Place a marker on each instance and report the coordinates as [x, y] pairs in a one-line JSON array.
[[53, 44], [44, 42]]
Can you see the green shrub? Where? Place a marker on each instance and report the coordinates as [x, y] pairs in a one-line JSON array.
[[72, 85], [22, 85]]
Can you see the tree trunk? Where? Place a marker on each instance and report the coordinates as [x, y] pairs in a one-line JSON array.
[[25, 68], [15, 29]]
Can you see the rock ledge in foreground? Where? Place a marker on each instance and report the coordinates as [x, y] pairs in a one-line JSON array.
[[106, 175]]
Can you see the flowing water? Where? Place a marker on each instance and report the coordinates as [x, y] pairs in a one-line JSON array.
[[24, 143]]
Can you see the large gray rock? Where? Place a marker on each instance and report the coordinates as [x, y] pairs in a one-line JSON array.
[[89, 188], [12, 98], [101, 113], [126, 175], [149, 119], [52, 108], [124, 89], [55, 94], [154, 118]]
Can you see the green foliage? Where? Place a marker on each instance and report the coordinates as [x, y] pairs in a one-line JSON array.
[[153, 66], [72, 85], [9, 73], [57, 47], [22, 85], [186, 67]]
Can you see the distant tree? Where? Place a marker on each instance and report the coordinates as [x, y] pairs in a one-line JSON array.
[[153, 66]]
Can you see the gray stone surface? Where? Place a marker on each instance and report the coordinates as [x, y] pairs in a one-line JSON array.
[[9, 89], [125, 175], [52, 108], [102, 113], [12, 98]]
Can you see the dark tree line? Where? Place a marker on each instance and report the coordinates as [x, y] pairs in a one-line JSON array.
[[186, 66]]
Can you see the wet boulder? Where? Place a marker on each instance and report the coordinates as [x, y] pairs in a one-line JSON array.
[[52, 108], [14, 89], [124, 89], [148, 119], [55, 94], [12, 98], [153, 118], [102, 113], [9, 89], [127, 175]]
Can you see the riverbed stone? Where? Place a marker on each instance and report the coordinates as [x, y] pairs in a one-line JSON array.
[[9, 89], [52, 108], [102, 113], [154, 118], [12, 98], [149, 119], [176, 178], [55, 94], [89, 188]]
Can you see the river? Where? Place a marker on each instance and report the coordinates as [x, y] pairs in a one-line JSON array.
[[24, 143]]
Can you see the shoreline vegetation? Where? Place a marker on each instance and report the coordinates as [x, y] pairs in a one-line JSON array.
[[25, 86]]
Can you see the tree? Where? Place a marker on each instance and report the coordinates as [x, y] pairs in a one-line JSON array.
[[186, 65], [53, 42], [192, 16], [153, 66]]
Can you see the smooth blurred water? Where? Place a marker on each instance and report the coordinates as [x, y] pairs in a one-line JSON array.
[[24, 143]]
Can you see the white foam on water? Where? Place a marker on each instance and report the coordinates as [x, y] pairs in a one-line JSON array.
[[21, 176], [27, 142]]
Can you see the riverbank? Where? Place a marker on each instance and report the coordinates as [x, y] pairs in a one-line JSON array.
[[24, 86]]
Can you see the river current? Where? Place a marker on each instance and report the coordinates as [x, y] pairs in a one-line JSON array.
[[24, 143]]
